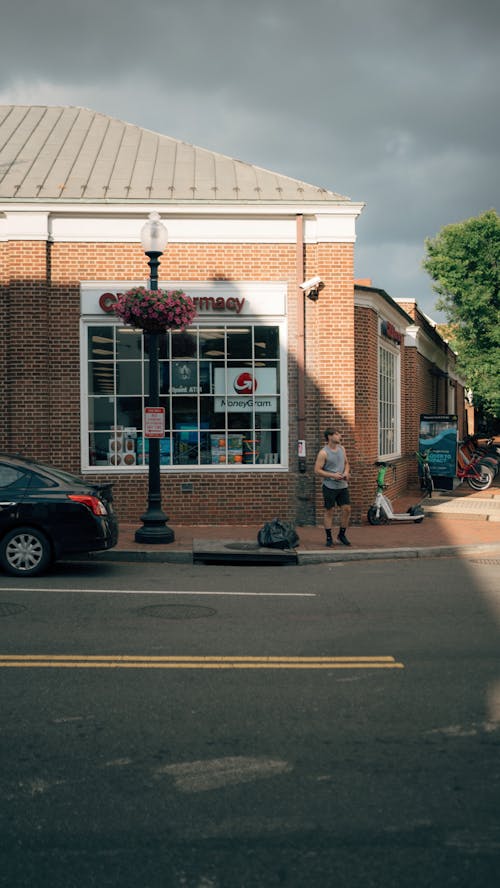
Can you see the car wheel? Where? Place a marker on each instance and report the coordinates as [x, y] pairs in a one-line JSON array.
[[25, 552]]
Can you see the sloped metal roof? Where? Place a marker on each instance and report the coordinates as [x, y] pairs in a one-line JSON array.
[[70, 154]]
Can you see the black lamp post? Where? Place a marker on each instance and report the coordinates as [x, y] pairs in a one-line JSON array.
[[154, 239]]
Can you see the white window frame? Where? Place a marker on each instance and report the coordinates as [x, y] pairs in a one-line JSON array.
[[452, 396], [99, 320], [395, 353]]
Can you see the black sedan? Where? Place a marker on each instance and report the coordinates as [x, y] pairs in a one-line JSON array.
[[46, 513]]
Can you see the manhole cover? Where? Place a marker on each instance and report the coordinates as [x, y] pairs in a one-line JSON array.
[[7, 609], [177, 612]]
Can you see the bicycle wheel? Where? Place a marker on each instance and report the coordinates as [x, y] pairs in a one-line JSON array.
[[373, 518], [482, 480]]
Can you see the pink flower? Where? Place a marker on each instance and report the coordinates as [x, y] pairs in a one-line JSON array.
[[163, 308]]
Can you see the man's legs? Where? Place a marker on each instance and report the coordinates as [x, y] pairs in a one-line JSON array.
[[345, 515], [327, 522]]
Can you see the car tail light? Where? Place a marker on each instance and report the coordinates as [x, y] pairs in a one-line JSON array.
[[93, 503]]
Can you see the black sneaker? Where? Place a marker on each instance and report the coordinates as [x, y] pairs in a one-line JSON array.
[[343, 539], [329, 543]]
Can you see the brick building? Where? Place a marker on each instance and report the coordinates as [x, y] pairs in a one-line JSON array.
[[267, 365]]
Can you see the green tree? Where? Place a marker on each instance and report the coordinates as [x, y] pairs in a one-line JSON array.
[[464, 261]]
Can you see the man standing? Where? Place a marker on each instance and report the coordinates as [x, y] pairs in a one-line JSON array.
[[332, 466]]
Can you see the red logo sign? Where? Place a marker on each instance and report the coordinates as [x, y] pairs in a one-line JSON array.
[[245, 384], [107, 301], [390, 331]]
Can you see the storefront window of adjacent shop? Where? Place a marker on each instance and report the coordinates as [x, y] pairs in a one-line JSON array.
[[219, 386], [389, 415]]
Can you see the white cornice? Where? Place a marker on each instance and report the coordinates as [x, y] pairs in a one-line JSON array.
[[32, 225], [381, 307], [127, 208], [186, 224], [414, 336]]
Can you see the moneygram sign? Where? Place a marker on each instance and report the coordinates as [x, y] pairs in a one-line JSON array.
[[240, 389]]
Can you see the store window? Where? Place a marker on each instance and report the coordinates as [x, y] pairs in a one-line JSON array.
[[388, 401], [221, 388]]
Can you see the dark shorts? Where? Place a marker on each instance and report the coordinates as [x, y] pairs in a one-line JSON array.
[[333, 498]]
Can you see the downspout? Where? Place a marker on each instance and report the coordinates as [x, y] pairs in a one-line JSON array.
[[301, 347]]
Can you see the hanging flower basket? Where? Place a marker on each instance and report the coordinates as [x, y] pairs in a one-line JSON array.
[[155, 311]]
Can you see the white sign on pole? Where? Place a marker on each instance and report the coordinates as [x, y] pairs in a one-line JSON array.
[[154, 422]]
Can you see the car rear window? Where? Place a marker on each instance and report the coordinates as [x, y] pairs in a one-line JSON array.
[[37, 480], [59, 474], [12, 478]]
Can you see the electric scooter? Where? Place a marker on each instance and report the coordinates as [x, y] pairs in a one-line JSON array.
[[381, 512]]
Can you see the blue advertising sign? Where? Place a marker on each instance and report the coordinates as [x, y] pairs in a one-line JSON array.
[[439, 436]]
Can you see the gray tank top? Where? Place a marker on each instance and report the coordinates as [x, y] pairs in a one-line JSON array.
[[335, 462]]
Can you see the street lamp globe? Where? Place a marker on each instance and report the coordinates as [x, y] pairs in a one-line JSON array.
[[154, 235]]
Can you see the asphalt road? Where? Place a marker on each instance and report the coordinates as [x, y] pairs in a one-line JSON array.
[[225, 727]]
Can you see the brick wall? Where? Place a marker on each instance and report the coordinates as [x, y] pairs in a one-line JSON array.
[[423, 390], [330, 350], [41, 351], [40, 373], [26, 347], [366, 377], [4, 340]]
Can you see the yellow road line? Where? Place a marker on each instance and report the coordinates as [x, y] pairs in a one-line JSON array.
[[188, 657], [108, 661], [84, 664]]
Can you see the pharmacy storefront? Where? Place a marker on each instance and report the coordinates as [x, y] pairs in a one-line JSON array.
[[223, 381], [246, 391]]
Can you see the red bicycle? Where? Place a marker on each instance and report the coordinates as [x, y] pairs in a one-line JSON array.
[[478, 475]]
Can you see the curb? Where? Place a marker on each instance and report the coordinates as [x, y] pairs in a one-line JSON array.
[[314, 556]]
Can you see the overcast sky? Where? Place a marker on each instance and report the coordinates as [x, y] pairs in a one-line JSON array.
[[394, 103]]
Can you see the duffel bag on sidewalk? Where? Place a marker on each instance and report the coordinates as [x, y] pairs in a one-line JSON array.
[[277, 534]]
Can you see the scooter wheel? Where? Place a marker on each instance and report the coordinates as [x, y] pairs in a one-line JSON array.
[[419, 520], [373, 518]]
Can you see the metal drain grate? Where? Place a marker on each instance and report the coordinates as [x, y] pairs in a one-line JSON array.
[[177, 612], [7, 609], [485, 560]]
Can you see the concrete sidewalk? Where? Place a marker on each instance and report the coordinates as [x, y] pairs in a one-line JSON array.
[[459, 521]]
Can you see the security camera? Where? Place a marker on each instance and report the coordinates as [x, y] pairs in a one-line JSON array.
[[311, 284]]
